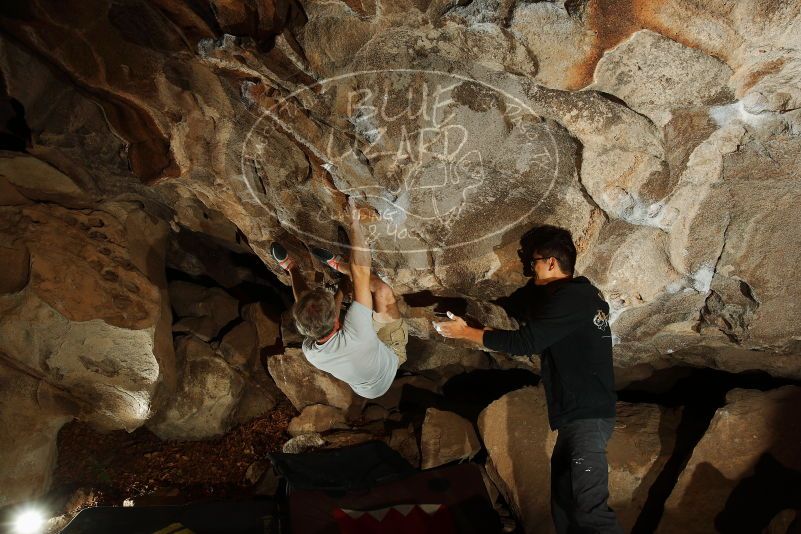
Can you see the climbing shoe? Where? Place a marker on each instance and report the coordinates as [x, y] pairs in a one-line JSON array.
[[329, 258], [281, 256]]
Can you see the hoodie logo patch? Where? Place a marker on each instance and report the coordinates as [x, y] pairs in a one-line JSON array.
[[601, 320]]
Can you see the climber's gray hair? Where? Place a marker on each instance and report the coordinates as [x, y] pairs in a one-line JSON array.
[[315, 313]]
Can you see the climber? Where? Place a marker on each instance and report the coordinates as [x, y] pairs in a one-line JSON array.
[[366, 349], [564, 320]]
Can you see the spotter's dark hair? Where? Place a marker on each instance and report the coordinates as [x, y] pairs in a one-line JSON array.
[[549, 241]]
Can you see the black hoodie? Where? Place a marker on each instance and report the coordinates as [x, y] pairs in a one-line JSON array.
[[566, 323]]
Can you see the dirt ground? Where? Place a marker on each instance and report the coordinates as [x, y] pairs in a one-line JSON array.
[[97, 469]]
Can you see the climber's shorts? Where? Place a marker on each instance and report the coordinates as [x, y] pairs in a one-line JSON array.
[[394, 335]]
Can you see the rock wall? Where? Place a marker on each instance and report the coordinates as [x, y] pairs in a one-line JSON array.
[[739, 463], [664, 134], [84, 314], [31, 416], [89, 317], [642, 128]]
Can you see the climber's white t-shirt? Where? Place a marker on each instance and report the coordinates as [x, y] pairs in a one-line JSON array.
[[355, 355]]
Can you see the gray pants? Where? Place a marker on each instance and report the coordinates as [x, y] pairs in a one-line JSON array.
[[580, 479]]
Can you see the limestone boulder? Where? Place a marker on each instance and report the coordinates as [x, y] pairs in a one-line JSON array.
[[290, 337], [322, 31], [718, 296], [303, 443], [695, 215], [515, 433], [751, 442], [70, 126], [492, 315], [710, 312], [208, 392], [642, 443], [654, 75], [404, 441], [405, 385], [10, 195], [268, 326], [211, 251], [240, 345], [94, 316], [459, 124], [37, 180], [317, 418], [205, 328], [347, 438], [785, 522], [631, 267], [760, 306], [425, 213], [561, 66], [304, 384], [202, 310], [626, 184], [147, 241], [259, 396], [374, 412], [81, 264], [17, 269], [30, 430], [423, 309], [661, 332], [423, 355], [446, 437]]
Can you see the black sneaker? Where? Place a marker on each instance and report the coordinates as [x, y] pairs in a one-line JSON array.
[[281, 256], [329, 258]]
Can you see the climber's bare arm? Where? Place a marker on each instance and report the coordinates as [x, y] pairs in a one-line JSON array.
[[360, 259], [299, 286], [343, 290]]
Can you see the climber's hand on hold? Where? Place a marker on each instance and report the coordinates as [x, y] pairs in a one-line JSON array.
[[360, 256], [352, 212]]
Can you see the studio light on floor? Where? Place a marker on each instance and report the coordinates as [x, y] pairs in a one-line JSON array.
[[29, 521]]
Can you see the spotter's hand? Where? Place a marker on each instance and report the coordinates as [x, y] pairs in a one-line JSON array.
[[349, 212], [456, 328]]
